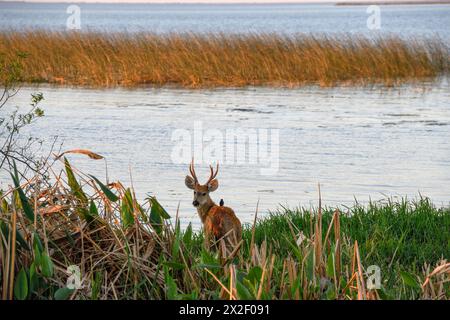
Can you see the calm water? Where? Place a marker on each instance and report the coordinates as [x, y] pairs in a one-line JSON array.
[[404, 20], [356, 142]]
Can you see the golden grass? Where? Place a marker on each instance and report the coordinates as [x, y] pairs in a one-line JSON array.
[[192, 60]]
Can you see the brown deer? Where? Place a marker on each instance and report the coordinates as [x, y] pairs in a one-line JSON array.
[[219, 222]]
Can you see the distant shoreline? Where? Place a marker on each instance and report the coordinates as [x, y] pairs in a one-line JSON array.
[[249, 2], [388, 3]]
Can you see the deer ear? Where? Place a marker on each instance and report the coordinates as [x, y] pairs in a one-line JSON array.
[[213, 185], [189, 182]]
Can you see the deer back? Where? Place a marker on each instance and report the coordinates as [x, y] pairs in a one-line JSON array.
[[221, 220]]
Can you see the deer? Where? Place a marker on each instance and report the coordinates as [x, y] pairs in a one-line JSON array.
[[219, 222]]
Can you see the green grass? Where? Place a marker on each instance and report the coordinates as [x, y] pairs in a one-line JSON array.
[[131, 250], [402, 235]]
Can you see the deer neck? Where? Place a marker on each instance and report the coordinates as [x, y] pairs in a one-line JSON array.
[[204, 209]]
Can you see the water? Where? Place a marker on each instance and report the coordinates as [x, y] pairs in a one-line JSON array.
[[402, 20], [355, 142]]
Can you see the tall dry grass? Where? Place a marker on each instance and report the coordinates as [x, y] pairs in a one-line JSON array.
[[192, 60]]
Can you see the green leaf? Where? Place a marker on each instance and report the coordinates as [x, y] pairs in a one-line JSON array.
[[21, 285], [156, 207], [175, 247], [207, 260], [73, 183], [157, 214], [108, 193], [126, 210], [409, 280], [330, 293], [330, 266], [37, 248], [77, 192], [254, 275], [187, 237], [63, 293], [37, 242], [309, 266], [171, 286], [29, 213], [243, 292], [93, 211], [46, 266], [174, 265], [4, 229], [96, 285], [34, 280]]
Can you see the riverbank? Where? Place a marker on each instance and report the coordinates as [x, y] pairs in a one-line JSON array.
[[129, 250], [188, 60]]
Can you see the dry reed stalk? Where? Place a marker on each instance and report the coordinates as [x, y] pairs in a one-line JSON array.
[[194, 60], [318, 239], [435, 289], [230, 294], [252, 242]]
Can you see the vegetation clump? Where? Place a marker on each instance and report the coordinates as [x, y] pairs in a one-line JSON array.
[[76, 237], [218, 60]]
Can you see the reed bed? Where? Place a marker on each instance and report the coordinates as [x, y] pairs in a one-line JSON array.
[[130, 250], [216, 60]]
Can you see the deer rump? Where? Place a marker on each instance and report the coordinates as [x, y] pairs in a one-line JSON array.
[[222, 223]]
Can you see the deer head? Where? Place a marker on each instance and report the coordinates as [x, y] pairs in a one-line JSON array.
[[201, 191]]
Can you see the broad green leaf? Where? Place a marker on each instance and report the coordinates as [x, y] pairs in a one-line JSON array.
[[187, 237], [37, 241], [175, 247], [63, 293], [254, 275], [157, 214], [330, 293], [409, 280], [126, 210], [78, 193], [34, 280], [156, 206], [37, 248], [93, 211], [309, 266], [46, 266], [243, 292], [29, 213], [73, 183], [21, 285], [330, 266], [108, 193]]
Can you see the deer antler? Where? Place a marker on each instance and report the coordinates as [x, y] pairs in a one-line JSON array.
[[213, 175], [192, 170]]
